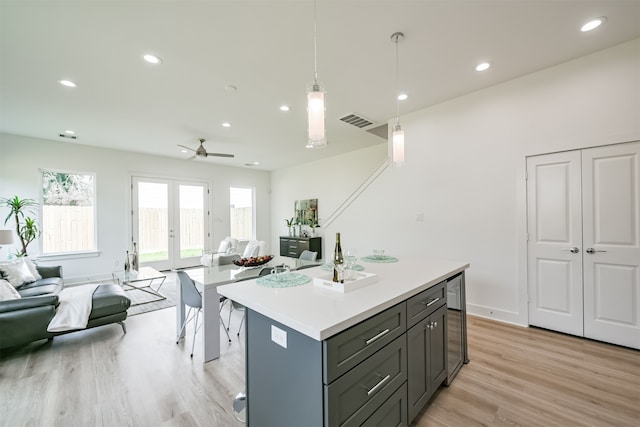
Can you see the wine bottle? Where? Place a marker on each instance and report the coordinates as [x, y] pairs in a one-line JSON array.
[[127, 266], [134, 258], [338, 260]]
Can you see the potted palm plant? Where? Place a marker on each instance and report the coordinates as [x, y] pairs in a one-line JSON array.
[[27, 228]]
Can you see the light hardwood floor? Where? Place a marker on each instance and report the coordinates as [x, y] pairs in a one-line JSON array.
[[517, 377]]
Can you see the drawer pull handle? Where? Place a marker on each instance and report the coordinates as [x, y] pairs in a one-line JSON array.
[[430, 303], [380, 335], [377, 386]]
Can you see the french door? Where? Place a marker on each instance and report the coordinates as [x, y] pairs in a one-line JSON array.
[[169, 221], [584, 242]]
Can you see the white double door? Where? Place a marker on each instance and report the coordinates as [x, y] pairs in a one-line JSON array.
[[584, 242], [169, 221]]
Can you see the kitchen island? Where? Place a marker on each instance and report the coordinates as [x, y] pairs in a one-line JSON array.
[[372, 356]]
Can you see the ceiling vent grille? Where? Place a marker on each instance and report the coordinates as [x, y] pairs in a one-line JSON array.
[[356, 120]]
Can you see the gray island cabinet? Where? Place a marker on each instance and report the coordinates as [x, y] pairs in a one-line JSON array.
[[370, 357]]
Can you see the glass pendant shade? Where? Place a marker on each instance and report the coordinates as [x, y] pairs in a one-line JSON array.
[[398, 145], [316, 109]]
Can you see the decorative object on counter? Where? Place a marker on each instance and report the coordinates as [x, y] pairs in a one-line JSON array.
[[292, 279], [338, 261], [289, 225], [379, 257], [27, 228], [358, 280], [313, 224], [253, 261], [134, 258], [351, 256], [127, 264], [329, 267]]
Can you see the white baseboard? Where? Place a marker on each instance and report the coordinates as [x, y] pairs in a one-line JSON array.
[[497, 314]]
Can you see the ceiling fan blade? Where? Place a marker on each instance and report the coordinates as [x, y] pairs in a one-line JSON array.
[[186, 148], [219, 155], [192, 157]]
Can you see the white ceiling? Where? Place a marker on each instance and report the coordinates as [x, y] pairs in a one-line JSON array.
[[265, 49]]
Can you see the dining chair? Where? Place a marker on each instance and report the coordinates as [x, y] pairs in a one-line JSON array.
[[308, 255], [193, 299]]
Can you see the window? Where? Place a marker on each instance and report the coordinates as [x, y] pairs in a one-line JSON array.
[[242, 213], [68, 212]]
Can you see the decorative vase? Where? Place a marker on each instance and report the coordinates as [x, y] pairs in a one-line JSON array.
[[290, 232], [134, 258]]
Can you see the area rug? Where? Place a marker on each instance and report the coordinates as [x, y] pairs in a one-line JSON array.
[[145, 301]]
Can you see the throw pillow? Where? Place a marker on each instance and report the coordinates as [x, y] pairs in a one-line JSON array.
[[251, 251], [7, 291], [224, 246], [32, 268], [17, 273]]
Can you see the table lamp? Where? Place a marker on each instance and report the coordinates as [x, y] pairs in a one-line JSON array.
[[6, 237]]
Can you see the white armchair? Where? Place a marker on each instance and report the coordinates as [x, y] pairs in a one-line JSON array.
[[229, 246]]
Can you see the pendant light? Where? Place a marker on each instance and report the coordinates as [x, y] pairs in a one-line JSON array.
[[315, 99], [397, 145]]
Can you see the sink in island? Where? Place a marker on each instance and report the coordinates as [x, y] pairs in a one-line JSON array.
[[371, 356]]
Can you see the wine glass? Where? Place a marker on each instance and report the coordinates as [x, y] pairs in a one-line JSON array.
[[350, 258]]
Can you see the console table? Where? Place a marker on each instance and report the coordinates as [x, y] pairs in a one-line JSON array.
[[293, 246], [372, 356]]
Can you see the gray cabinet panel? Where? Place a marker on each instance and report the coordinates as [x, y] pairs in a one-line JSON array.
[[293, 246], [345, 350], [392, 413], [352, 398], [425, 303], [284, 385], [426, 359]]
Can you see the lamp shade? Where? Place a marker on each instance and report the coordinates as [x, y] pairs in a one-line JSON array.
[[398, 145], [6, 237], [316, 109]]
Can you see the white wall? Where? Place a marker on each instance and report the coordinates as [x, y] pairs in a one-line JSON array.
[[21, 158], [465, 172]]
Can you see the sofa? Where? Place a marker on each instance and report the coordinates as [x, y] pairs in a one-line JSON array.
[[25, 318]]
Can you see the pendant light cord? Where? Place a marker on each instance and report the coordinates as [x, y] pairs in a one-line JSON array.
[[315, 42], [397, 39]]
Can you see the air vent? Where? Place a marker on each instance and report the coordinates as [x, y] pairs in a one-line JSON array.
[[62, 135], [356, 120]]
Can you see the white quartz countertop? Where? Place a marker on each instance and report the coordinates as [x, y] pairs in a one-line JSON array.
[[321, 313]]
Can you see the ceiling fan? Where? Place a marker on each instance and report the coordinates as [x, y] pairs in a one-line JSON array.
[[201, 152]]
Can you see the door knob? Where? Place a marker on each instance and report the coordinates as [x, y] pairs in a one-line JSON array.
[[593, 251], [573, 250]]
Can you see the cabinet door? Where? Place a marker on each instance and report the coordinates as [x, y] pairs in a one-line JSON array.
[[426, 359], [417, 371], [437, 349]]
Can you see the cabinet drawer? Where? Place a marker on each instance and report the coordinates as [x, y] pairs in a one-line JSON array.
[[392, 413], [345, 350], [425, 303], [355, 396]]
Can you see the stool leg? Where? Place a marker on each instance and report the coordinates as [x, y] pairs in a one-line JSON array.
[[124, 328]]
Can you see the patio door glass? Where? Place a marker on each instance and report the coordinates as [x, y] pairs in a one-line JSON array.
[[168, 222]]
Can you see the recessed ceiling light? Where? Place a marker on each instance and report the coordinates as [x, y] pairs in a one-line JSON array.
[[70, 132], [483, 66], [402, 96], [152, 59], [593, 24], [183, 151], [67, 83], [226, 125], [284, 108], [252, 164]]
